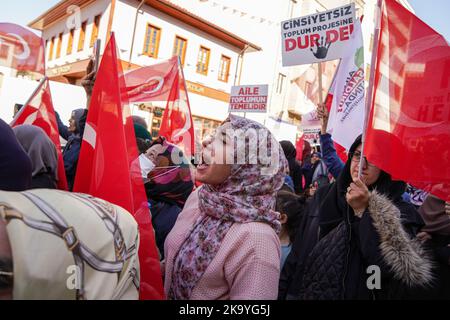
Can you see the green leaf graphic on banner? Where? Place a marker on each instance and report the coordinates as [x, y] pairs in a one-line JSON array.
[[359, 57]]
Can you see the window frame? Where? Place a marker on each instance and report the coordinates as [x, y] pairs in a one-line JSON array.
[[308, 87], [95, 30], [82, 38], [52, 48], [175, 49], [59, 46], [158, 40], [70, 41], [280, 83], [227, 73], [208, 57]]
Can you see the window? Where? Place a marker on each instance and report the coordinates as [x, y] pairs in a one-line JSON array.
[[179, 48], [4, 52], [308, 87], [95, 28], [151, 43], [280, 83], [58, 48], [224, 69], [156, 122], [52, 47], [203, 60], [204, 127], [82, 36], [70, 43]]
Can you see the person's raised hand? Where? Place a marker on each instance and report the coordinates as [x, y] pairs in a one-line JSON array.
[[423, 236], [357, 197], [322, 113], [88, 81]]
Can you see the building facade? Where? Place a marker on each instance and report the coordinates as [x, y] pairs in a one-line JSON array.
[[147, 32], [214, 54], [293, 91]]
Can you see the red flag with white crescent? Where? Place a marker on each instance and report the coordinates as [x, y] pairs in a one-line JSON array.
[[39, 112]]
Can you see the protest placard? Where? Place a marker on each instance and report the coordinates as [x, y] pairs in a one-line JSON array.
[[317, 37], [250, 98]]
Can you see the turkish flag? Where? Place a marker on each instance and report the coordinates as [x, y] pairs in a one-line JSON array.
[[408, 133], [39, 112], [340, 150], [108, 166], [176, 125], [152, 83], [165, 82], [21, 49]]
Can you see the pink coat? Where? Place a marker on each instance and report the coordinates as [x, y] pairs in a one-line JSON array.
[[246, 267]]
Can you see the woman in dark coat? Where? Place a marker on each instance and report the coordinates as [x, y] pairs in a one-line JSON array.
[[364, 248], [42, 153], [15, 165], [436, 235], [307, 166], [74, 135], [295, 170]]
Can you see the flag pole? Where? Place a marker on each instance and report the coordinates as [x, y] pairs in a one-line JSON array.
[[184, 79], [328, 93], [39, 87], [370, 89], [332, 80], [334, 77], [97, 46], [319, 68], [180, 66]]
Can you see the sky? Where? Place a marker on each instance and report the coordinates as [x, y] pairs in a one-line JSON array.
[[24, 11], [433, 12]]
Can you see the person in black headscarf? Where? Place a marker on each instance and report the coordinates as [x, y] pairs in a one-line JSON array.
[[436, 237], [15, 165], [42, 153], [140, 121], [74, 135], [295, 170], [307, 166], [364, 248]]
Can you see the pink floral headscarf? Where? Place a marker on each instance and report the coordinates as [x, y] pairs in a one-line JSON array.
[[247, 195]]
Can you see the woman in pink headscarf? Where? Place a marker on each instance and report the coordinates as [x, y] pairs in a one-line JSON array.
[[224, 244]]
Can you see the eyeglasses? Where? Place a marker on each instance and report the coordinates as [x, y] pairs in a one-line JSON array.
[[356, 157]]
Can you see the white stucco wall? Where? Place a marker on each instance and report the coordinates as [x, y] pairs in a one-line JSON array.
[[16, 90], [88, 14], [170, 28]]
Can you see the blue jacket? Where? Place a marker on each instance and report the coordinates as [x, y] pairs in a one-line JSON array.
[[289, 182], [164, 215], [330, 157]]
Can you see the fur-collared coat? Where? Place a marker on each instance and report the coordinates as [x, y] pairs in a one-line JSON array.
[[343, 255], [345, 262]]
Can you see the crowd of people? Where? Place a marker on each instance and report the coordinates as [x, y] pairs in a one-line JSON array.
[[309, 230]]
